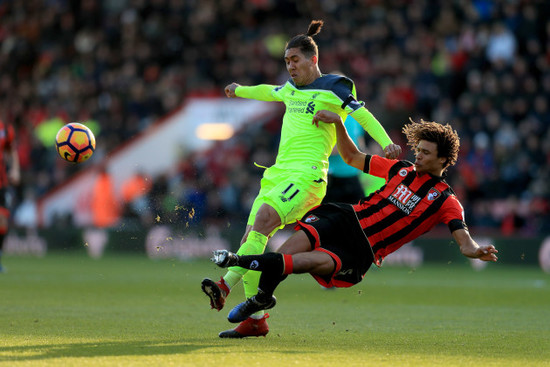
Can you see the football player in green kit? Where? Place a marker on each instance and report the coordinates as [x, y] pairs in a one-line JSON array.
[[297, 181]]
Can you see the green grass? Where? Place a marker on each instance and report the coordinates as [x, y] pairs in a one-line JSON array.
[[70, 310]]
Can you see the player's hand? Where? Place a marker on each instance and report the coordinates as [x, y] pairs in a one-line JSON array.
[[392, 151], [326, 117], [230, 90], [487, 253]]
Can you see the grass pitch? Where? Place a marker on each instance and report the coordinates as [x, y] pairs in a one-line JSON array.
[[69, 310]]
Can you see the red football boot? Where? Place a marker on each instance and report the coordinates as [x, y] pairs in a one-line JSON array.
[[216, 291], [249, 327]]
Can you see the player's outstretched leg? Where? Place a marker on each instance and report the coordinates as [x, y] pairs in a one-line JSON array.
[[224, 258], [216, 291], [244, 310], [249, 327]]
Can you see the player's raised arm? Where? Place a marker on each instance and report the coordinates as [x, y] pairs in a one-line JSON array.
[[470, 248], [261, 92], [375, 129], [346, 147]]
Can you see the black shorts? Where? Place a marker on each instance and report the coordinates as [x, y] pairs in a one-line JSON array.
[[333, 228]]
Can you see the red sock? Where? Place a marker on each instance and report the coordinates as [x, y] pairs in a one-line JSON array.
[[288, 264]]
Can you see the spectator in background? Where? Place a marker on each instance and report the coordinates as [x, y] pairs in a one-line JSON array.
[[105, 204], [501, 45], [135, 201], [9, 175], [26, 215]]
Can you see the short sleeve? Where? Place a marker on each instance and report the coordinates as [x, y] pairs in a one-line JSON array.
[[379, 166], [453, 214]]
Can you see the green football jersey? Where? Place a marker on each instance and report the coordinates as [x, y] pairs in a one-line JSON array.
[[305, 147]]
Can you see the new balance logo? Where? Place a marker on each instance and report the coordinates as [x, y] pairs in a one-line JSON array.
[[311, 218], [345, 272]]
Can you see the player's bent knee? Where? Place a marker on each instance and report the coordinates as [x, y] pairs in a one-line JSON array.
[[267, 219]]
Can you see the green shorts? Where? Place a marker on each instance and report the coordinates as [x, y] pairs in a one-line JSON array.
[[290, 193]]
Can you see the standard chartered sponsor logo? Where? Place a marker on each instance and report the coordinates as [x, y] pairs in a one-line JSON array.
[[295, 110], [299, 106]]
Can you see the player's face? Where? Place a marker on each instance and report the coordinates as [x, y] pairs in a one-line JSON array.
[[301, 68], [427, 160]]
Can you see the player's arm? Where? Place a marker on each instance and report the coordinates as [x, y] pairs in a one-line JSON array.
[[261, 92], [373, 127], [470, 248], [346, 147]]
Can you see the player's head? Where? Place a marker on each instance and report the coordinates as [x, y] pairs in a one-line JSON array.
[[302, 54], [435, 145]]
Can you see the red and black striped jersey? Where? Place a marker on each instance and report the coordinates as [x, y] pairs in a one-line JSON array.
[[7, 139], [407, 206]]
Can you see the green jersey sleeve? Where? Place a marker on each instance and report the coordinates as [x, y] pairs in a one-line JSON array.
[[261, 92], [371, 126], [345, 90]]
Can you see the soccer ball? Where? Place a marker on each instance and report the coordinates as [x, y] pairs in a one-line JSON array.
[[75, 143]]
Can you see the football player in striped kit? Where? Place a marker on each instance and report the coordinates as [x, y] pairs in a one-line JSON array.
[[337, 243]]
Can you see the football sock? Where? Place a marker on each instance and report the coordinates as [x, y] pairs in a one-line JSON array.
[[268, 283], [255, 244], [271, 262], [251, 278], [250, 285], [271, 269], [231, 278]]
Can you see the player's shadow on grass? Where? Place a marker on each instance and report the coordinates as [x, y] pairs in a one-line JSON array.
[[100, 349]]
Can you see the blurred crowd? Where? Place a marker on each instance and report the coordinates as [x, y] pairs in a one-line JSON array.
[[120, 65]]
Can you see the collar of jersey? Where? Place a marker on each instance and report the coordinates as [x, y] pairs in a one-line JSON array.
[[314, 85]]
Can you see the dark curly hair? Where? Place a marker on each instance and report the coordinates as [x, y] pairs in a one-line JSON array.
[[305, 42], [447, 140]]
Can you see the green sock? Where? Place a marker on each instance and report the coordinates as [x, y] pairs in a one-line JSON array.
[[251, 280], [231, 278], [254, 245]]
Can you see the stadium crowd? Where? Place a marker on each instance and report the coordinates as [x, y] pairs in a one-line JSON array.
[[119, 66]]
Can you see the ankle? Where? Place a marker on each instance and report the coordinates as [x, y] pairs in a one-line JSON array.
[[263, 297]]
